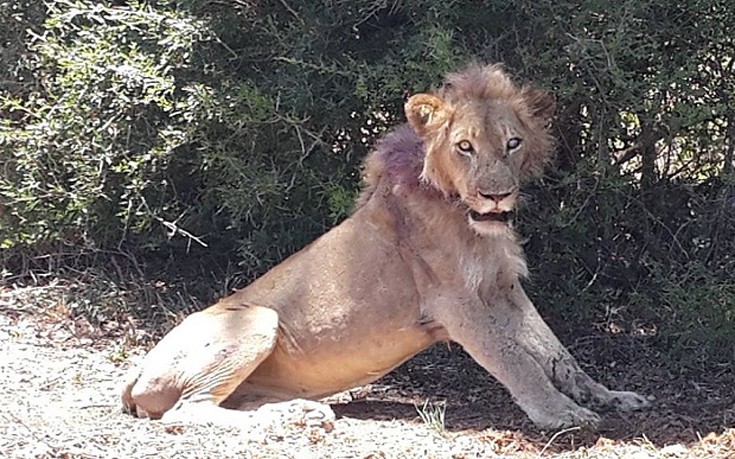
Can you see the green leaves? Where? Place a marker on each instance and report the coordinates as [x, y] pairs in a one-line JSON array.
[[148, 126], [94, 137]]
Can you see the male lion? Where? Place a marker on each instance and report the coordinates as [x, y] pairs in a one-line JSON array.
[[428, 255]]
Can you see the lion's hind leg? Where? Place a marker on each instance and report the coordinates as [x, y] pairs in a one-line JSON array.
[[202, 360]]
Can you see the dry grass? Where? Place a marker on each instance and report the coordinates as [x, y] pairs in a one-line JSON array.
[[60, 377]]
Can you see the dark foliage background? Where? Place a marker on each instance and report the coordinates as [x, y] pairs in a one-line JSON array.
[[198, 142]]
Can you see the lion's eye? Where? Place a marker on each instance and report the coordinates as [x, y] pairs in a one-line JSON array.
[[513, 143], [465, 147]]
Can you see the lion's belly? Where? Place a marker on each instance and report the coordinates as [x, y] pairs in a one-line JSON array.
[[324, 369]]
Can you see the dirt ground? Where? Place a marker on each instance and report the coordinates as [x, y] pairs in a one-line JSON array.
[[60, 379]]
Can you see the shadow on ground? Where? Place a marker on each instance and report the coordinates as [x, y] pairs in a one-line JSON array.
[[692, 400], [695, 395]]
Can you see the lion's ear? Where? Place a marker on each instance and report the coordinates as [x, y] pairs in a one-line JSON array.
[[541, 103], [425, 111]]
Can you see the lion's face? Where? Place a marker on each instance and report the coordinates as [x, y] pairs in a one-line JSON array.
[[483, 136]]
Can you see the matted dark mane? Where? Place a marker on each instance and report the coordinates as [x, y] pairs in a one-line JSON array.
[[397, 158], [401, 155]]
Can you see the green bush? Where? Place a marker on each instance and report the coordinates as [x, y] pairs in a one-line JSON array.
[[86, 150], [190, 135]]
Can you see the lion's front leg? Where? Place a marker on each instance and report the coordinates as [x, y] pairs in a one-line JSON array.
[[540, 342], [487, 334]]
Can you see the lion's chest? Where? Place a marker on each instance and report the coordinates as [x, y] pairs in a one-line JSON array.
[[492, 266]]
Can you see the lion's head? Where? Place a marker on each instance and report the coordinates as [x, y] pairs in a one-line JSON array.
[[483, 135]]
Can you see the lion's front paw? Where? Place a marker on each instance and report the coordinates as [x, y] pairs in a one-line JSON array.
[[569, 415], [581, 417], [628, 401], [297, 411]]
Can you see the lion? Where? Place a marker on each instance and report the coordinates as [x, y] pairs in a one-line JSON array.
[[429, 254]]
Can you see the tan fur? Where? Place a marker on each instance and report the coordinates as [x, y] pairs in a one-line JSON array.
[[428, 255]]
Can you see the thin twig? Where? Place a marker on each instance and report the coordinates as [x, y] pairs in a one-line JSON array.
[[172, 226], [594, 277], [291, 10], [175, 229], [585, 203], [555, 436]]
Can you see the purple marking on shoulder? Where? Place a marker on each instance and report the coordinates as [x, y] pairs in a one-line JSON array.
[[401, 154]]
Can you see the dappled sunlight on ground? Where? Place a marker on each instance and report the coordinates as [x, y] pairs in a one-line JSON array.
[[60, 381]]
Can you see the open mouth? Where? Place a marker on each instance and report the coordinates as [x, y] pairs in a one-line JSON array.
[[500, 217]]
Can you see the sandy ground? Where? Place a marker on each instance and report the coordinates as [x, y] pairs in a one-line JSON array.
[[60, 381]]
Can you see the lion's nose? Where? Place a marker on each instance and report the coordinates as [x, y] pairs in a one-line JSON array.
[[497, 197]]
